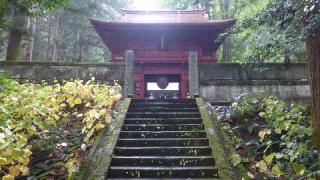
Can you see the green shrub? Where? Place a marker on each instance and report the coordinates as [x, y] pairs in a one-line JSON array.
[[280, 146], [30, 111]]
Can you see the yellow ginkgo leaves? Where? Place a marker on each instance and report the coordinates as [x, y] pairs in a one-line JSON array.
[[31, 110]]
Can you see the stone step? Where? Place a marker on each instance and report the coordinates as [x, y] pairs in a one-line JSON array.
[[163, 101], [163, 172], [221, 103], [163, 115], [163, 121], [162, 127], [162, 109], [137, 105], [163, 134], [162, 139], [163, 142], [179, 161], [162, 178], [163, 151]]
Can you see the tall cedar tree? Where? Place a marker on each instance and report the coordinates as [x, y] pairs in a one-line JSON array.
[[18, 11]]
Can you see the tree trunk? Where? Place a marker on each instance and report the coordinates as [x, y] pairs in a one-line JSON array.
[[56, 46], [208, 8], [15, 38], [48, 44], [85, 48], [107, 54], [28, 52], [16, 33], [224, 8], [226, 46], [313, 52], [226, 50], [80, 58], [75, 47]]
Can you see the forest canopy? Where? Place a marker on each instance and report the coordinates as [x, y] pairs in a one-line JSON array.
[[57, 30], [60, 30]]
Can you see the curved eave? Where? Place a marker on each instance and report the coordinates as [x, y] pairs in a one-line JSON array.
[[128, 11], [223, 24], [105, 29]]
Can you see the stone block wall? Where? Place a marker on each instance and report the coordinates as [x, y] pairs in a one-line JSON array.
[[58, 70], [218, 82], [225, 82]]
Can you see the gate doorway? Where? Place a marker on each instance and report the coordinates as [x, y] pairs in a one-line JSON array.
[[162, 86]]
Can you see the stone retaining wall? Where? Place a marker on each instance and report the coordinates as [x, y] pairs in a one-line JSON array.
[[218, 82], [58, 70], [225, 82]]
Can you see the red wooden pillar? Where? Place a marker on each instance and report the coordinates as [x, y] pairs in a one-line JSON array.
[[183, 85], [143, 86], [139, 86]]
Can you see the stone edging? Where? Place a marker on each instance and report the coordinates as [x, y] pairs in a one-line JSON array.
[[227, 82], [84, 64], [217, 142]]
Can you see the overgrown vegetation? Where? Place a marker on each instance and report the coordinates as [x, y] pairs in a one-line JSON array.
[[272, 138], [48, 127]]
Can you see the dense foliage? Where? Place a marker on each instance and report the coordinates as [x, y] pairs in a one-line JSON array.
[[26, 8], [31, 111], [15, 20], [57, 30], [67, 34], [266, 31], [288, 23], [272, 138]]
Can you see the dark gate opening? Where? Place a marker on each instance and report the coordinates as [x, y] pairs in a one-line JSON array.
[[162, 86]]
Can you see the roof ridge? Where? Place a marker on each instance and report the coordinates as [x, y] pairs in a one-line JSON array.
[[129, 11]]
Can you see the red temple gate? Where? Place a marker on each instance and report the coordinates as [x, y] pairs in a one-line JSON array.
[[161, 42]]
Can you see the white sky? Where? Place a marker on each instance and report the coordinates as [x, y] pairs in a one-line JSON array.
[[147, 4], [154, 87]]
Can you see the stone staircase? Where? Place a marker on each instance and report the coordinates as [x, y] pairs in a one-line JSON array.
[[162, 139]]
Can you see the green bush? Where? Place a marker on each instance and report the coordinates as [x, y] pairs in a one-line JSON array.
[[247, 105], [30, 111], [281, 146]]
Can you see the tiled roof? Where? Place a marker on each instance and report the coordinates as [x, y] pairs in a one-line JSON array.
[[188, 16]]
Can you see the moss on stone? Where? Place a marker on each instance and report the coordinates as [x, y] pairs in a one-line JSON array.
[[73, 64], [220, 143]]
